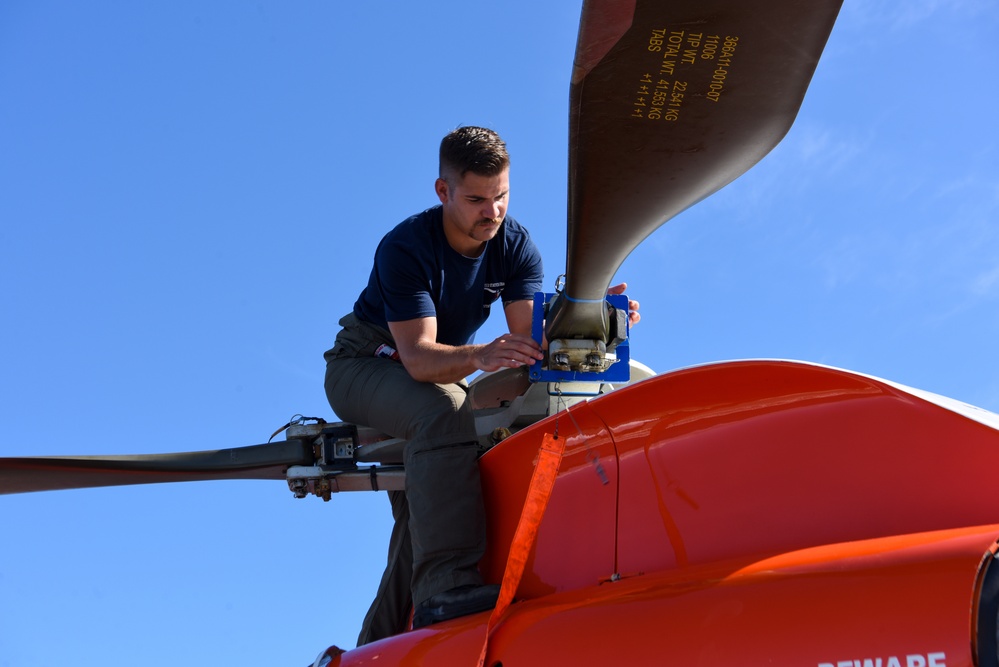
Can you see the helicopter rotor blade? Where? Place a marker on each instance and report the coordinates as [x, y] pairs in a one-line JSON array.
[[669, 102], [268, 461]]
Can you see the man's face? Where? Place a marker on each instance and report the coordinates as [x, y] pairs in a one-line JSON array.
[[474, 208]]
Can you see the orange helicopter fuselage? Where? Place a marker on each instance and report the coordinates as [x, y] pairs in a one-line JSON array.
[[742, 513]]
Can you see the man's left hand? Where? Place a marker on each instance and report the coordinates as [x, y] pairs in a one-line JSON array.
[[633, 315]]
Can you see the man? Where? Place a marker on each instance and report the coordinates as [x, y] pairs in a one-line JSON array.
[[399, 365]]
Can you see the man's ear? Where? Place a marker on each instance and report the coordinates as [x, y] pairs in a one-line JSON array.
[[441, 188]]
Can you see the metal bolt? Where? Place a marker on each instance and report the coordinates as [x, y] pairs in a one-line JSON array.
[[298, 488]]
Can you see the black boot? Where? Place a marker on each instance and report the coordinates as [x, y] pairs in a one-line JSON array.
[[460, 601]]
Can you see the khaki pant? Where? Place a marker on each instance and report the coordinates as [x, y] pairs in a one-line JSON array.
[[439, 534]]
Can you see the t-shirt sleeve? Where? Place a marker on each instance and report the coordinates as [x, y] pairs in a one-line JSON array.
[[527, 271], [404, 283]]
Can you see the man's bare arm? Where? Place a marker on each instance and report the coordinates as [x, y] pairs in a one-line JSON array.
[[427, 360], [520, 316]]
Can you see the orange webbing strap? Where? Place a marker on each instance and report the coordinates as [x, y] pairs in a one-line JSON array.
[[538, 494]]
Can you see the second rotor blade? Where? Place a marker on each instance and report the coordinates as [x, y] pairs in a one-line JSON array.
[[270, 461], [671, 101]]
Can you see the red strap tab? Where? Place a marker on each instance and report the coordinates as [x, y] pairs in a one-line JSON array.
[[538, 493]]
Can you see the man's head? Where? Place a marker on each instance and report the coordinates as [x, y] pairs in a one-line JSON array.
[[472, 149], [474, 187]]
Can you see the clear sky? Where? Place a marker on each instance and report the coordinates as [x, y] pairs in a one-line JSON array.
[[190, 195]]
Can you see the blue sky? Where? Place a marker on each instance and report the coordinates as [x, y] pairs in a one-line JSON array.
[[190, 194]]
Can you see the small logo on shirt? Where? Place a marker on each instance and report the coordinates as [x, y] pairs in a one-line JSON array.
[[493, 291]]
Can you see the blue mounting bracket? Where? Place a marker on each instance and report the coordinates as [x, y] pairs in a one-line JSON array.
[[619, 371]]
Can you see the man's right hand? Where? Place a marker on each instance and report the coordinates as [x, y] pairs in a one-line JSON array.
[[429, 361], [508, 351]]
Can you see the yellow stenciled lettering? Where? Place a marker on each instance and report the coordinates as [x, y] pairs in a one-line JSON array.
[[656, 40], [710, 47]]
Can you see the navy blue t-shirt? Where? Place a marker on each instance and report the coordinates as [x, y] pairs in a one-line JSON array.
[[417, 274]]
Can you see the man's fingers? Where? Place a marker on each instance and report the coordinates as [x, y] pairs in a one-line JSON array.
[[513, 350], [633, 315]]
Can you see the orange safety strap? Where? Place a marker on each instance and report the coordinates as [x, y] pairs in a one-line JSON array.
[[538, 493]]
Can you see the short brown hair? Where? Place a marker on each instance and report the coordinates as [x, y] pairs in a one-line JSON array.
[[472, 149]]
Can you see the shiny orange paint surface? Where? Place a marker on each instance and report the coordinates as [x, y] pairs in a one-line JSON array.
[[755, 512], [575, 545], [740, 459], [868, 600], [906, 598]]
